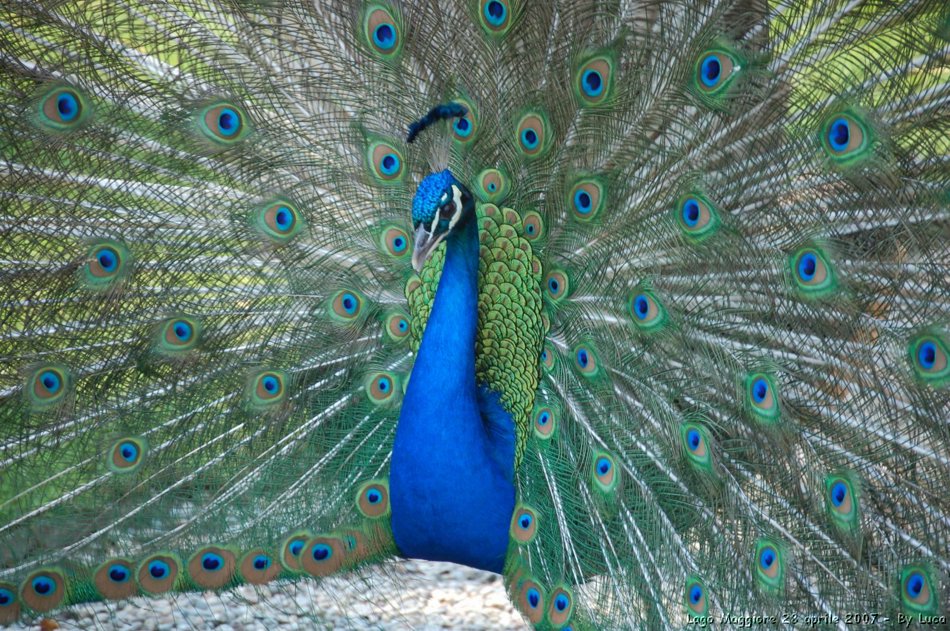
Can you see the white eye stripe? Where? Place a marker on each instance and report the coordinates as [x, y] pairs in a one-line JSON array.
[[457, 199]]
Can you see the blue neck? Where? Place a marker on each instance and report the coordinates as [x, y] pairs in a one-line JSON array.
[[451, 498]]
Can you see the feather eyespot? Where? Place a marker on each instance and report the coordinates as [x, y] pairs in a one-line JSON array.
[[845, 138], [769, 566], [762, 397], [257, 567], [695, 596], [9, 604], [397, 327], [495, 16], [714, 71], [491, 185], [279, 220], [224, 124], [697, 217], [346, 306], [604, 472], [127, 455], [372, 499], [158, 573], [266, 388], [395, 242], [106, 264], [43, 590], [560, 607], [531, 134], [648, 313], [524, 525], [548, 357], [62, 108], [917, 590], [586, 361], [178, 335], [586, 199], [594, 80], [113, 579], [928, 356], [292, 548], [385, 162], [842, 501], [46, 386], [696, 445], [382, 32], [532, 226], [812, 272], [322, 556], [212, 567], [557, 285], [464, 128], [545, 422], [381, 388], [530, 601]]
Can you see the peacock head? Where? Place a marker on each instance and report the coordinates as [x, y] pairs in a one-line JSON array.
[[441, 204]]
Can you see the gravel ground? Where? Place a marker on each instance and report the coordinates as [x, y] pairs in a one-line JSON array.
[[407, 595]]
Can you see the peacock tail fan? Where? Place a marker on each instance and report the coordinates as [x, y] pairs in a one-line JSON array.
[[713, 297]]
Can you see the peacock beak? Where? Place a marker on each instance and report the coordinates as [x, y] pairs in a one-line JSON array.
[[425, 244]]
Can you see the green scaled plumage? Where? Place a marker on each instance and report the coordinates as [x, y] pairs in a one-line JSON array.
[[713, 296]]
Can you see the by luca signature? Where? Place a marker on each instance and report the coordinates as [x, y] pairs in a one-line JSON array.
[[749, 621]]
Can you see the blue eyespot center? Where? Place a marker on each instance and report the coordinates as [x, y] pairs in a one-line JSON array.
[[839, 135], [767, 558], [534, 598], [108, 260], [529, 228], [384, 36], [544, 418], [915, 584], [212, 562], [582, 201], [228, 122], [51, 381], [403, 325], [529, 138], [182, 331], [462, 127], [525, 521], [295, 547], [158, 569], [118, 574], [760, 389], [67, 106], [129, 451], [261, 562], [807, 266], [321, 552], [710, 71], [691, 213], [271, 383], [374, 496], [603, 466], [553, 285], [349, 303], [399, 244], [927, 355], [383, 384], [641, 306], [592, 82], [561, 602], [495, 13], [583, 358], [390, 164], [695, 594], [43, 585], [839, 491], [693, 439], [6, 597], [492, 187], [283, 218]]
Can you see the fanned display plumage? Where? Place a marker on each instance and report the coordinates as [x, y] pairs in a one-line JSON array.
[[699, 368]]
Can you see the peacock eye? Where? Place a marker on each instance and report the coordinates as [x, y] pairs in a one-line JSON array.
[[447, 211]]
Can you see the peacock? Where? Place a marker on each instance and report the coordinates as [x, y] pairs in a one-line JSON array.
[[643, 306]]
